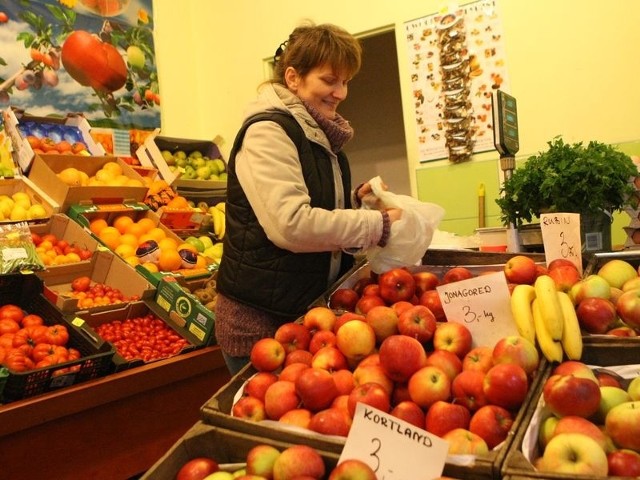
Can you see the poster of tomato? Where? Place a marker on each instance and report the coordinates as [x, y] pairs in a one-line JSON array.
[[94, 57]]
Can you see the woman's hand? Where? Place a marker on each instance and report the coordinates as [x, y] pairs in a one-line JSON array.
[[366, 196]]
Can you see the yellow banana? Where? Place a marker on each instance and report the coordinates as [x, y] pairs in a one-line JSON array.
[[547, 294], [550, 348], [215, 219], [571, 334], [223, 228], [221, 206], [521, 299]]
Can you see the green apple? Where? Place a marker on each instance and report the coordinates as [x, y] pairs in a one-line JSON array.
[[609, 398], [592, 286], [196, 242], [239, 473], [203, 172], [206, 241], [545, 432], [180, 162], [617, 272], [634, 389], [213, 166], [214, 252], [223, 177], [219, 475], [221, 165], [195, 154]]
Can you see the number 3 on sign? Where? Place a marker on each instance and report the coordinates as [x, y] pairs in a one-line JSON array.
[[393, 448]]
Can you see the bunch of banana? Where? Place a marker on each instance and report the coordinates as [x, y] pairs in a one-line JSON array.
[[217, 213], [547, 317]]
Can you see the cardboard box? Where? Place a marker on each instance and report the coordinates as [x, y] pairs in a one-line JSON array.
[[66, 229], [84, 214], [185, 309], [9, 186], [150, 154], [226, 447], [23, 153], [185, 221], [46, 167], [107, 268], [95, 361], [87, 322]]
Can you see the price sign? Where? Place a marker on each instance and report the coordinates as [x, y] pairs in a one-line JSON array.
[[393, 448], [561, 237], [482, 304]]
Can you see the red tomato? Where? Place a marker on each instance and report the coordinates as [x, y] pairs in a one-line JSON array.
[[31, 320], [73, 354], [6, 340], [57, 335], [29, 337], [8, 325], [41, 351], [18, 361], [12, 311], [36, 238]]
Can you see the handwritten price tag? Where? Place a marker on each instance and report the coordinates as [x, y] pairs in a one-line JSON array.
[[393, 448], [482, 304], [561, 237]]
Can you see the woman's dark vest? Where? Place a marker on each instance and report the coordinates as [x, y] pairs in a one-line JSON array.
[[256, 272]]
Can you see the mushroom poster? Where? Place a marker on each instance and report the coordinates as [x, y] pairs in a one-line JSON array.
[[456, 62], [94, 57]]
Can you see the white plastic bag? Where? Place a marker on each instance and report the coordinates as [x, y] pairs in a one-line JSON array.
[[410, 236]]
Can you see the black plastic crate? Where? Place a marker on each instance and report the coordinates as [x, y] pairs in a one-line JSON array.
[[25, 291]]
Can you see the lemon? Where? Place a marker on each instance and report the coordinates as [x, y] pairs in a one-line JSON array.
[[70, 176], [6, 205], [36, 211], [113, 167], [18, 213], [105, 176], [22, 199]]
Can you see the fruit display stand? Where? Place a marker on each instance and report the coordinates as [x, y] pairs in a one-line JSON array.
[[109, 428], [223, 445], [518, 464]]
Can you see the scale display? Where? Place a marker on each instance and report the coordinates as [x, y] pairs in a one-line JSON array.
[[505, 121]]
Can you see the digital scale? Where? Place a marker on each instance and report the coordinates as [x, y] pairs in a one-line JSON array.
[[506, 141]]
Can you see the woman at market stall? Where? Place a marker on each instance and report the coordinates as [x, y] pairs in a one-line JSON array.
[[291, 228]]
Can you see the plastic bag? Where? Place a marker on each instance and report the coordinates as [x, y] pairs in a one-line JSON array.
[[17, 250], [410, 236]]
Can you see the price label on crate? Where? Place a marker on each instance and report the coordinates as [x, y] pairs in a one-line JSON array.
[[393, 448], [561, 237], [482, 304]]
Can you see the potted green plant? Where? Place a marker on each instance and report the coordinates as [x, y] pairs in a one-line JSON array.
[[592, 180]]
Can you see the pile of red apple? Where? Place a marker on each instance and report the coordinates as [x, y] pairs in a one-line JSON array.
[[397, 358], [592, 425], [264, 461]]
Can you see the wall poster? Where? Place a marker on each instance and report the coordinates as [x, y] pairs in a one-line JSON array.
[[94, 57], [456, 60]]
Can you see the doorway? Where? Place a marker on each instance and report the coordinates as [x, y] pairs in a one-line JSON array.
[[374, 108]]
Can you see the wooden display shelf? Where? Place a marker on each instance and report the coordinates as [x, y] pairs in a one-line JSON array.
[[111, 428]]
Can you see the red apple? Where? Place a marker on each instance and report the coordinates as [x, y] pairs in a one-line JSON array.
[[400, 393], [493, 423], [401, 306], [371, 289], [463, 442], [298, 417], [447, 361], [279, 398], [631, 284], [197, 468], [397, 284], [345, 317], [361, 283], [329, 358], [321, 339], [431, 300], [401, 356], [410, 412], [520, 269], [596, 315], [623, 425], [456, 274], [352, 469], [442, 417], [344, 381], [453, 336], [607, 379], [518, 350], [331, 421], [565, 277], [468, 389], [319, 318], [344, 299], [267, 354], [249, 408], [367, 302], [341, 402], [571, 395], [624, 463], [383, 320], [576, 424], [260, 459], [424, 281], [355, 339], [622, 332], [591, 286], [628, 307], [558, 262], [506, 385], [293, 336], [417, 322], [299, 461], [316, 388], [257, 385], [575, 368], [372, 394], [478, 358], [575, 454], [372, 373], [428, 385], [298, 356]]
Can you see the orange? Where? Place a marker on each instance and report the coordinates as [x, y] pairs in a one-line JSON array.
[[122, 222], [146, 224], [110, 236], [125, 250], [201, 261], [157, 234], [169, 260], [136, 230], [97, 224], [129, 239], [133, 261], [152, 267], [178, 202], [168, 243]]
